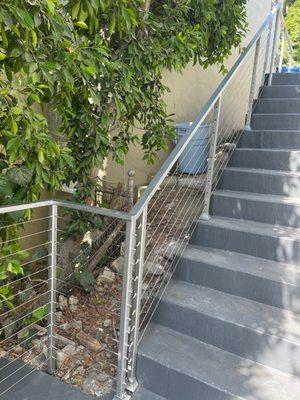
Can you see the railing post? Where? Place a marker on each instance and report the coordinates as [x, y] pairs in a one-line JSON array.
[[138, 273], [275, 44], [52, 289], [267, 53], [282, 51], [130, 187], [253, 85], [125, 311], [211, 160]]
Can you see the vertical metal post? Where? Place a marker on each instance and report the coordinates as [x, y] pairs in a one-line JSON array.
[[211, 160], [275, 45], [253, 86], [52, 289], [125, 311], [137, 295], [130, 188], [282, 50], [267, 53]]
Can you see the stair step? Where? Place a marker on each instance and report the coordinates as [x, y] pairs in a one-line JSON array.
[[261, 181], [241, 326], [280, 92], [275, 159], [34, 384], [270, 139], [144, 394], [181, 367], [272, 283], [269, 209], [277, 106], [253, 238], [276, 121], [286, 79]]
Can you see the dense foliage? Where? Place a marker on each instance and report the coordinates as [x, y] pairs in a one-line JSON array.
[[293, 25], [97, 65]]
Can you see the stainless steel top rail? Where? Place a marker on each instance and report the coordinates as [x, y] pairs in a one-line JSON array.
[[177, 151]]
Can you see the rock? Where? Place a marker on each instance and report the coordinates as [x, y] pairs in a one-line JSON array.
[[106, 276], [118, 264], [151, 268], [73, 301], [18, 350], [62, 302], [64, 356], [77, 325], [88, 341], [107, 323], [73, 308], [59, 316], [122, 249], [97, 384]]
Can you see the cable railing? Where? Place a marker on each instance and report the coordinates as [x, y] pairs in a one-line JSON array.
[[131, 256]]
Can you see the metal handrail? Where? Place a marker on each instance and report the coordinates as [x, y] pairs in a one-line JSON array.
[[177, 151]]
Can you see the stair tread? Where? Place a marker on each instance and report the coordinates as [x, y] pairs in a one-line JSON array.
[[270, 198], [144, 394], [240, 311], [264, 171], [227, 372], [262, 150], [268, 269], [259, 228]]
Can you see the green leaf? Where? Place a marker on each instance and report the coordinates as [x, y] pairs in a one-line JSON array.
[[6, 185], [2, 56], [41, 156], [51, 6], [81, 24], [20, 175], [75, 10], [34, 38], [24, 18]]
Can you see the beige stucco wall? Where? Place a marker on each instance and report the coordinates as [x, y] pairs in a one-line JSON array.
[[189, 92]]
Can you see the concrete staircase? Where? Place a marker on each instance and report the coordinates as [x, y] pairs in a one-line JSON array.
[[228, 326]]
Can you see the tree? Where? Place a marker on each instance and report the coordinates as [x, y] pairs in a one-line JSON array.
[[293, 25], [98, 65]]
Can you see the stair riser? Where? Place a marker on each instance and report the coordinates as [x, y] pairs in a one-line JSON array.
[[174, 385], [270, 140], [277, 106], [258, 211], [281, 295], [286, 79], [281, 92], [244, 181], [282, 161], [275, 122], [233, 338], [269, 247]]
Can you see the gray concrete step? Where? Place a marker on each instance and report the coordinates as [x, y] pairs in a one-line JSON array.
[[29, 384], [253, 238], [261, 333], [144, 394], [272, 283], [280, 92], [286, 79], [275, 159], [277, 106], [202, 371], [275, 121], [270, 209], [261, 181], [270, 139]]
